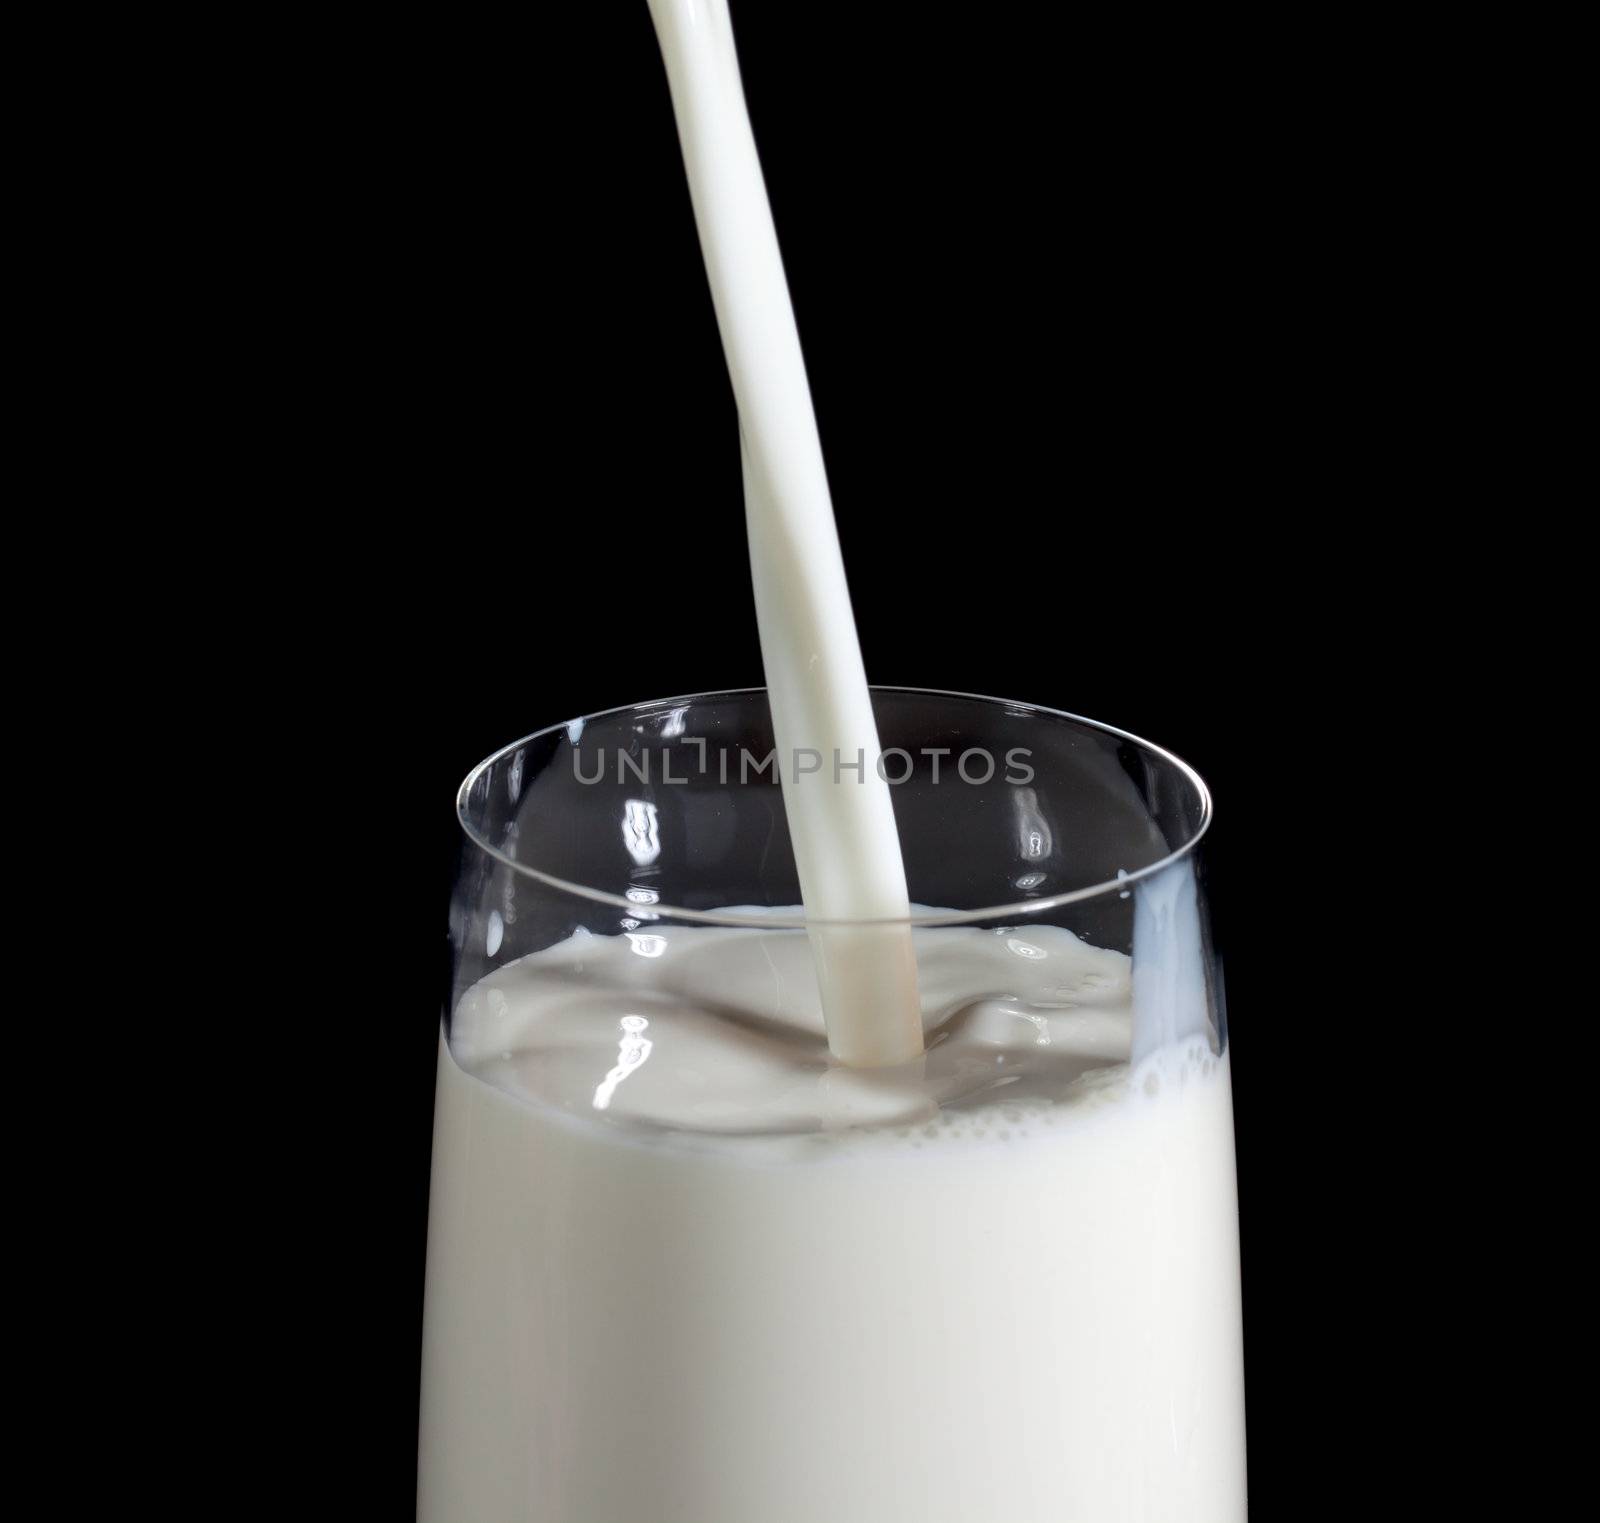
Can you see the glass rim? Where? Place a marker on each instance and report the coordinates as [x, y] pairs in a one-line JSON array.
[[789, 921]]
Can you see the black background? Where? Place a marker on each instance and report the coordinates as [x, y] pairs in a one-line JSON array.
[[1074, 333]]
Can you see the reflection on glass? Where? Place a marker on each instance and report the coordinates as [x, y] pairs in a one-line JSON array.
[[640, 832]]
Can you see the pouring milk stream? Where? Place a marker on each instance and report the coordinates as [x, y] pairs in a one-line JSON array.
[[840, 817]]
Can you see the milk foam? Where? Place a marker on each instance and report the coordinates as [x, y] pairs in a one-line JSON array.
[[718, 1032]]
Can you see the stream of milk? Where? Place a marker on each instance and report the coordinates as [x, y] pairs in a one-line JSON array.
[[846, 848]]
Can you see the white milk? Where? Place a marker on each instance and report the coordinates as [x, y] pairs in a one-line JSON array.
[[680, 1271], [842, 824]]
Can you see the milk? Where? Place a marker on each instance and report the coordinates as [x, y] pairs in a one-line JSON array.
[[857, 1224], [841, 822], [682, 1271]]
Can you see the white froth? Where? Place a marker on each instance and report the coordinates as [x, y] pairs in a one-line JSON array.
[[710, 1033]]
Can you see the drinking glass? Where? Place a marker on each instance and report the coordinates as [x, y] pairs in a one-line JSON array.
[[984, 1309]]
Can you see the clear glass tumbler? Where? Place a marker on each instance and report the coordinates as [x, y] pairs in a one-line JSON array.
[[682, 1268]]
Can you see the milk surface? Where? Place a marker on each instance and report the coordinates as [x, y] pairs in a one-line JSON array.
[[682, 1271]]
